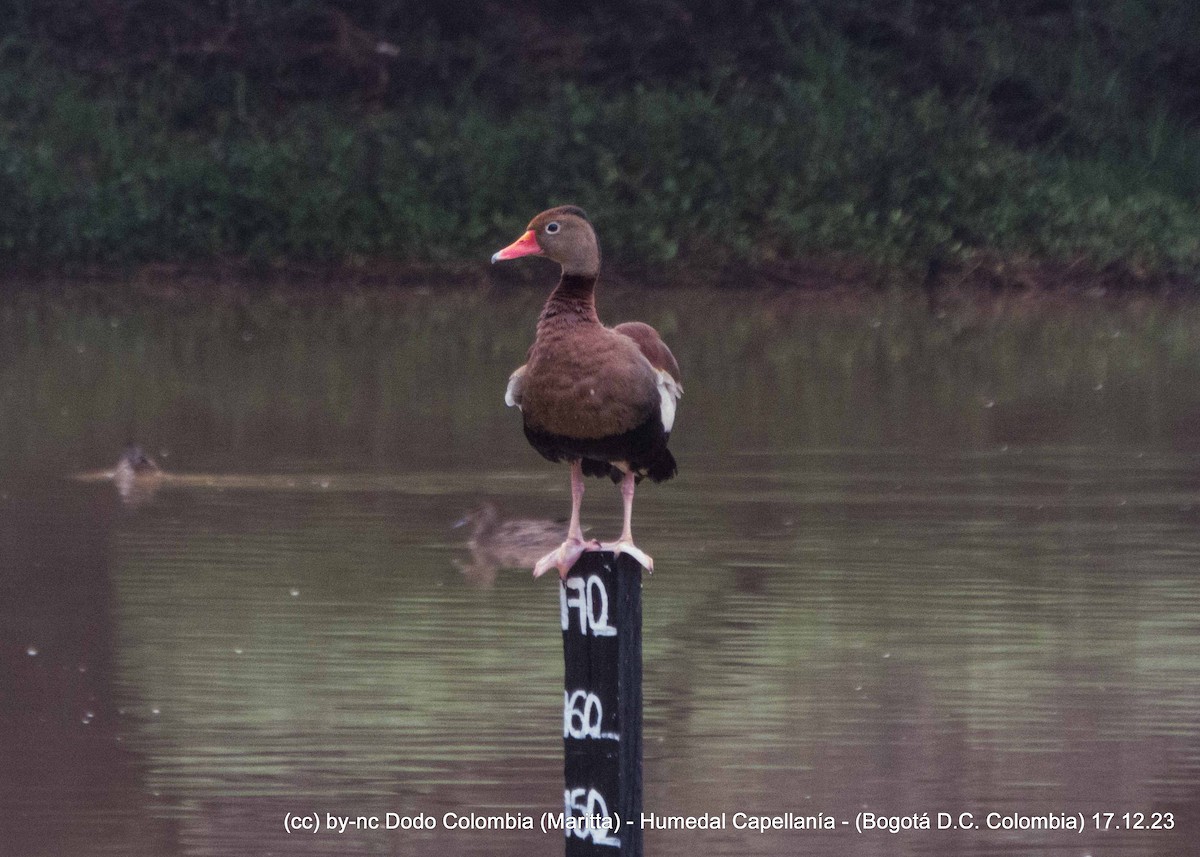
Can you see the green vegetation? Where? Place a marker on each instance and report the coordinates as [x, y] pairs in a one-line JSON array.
[[891, 134]]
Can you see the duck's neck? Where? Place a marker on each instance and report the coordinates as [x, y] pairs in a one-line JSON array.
[[485, 524], [573, 301]]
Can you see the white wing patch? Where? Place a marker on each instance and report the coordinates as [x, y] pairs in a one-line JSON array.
[[669, 392], [512, 395]]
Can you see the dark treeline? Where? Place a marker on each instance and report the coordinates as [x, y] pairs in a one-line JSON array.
[[895, 133], [389, 51]]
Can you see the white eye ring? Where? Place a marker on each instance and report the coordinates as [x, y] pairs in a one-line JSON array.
[[552, 227]]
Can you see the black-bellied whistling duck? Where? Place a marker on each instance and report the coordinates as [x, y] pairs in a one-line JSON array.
[[602, 398]]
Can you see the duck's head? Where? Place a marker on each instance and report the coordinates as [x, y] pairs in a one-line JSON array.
[[134, 461], [479, 517], [562, 234]]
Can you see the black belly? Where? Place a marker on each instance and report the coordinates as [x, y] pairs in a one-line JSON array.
[[645, 448]]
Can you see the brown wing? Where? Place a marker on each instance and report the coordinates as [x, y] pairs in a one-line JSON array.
[[651, 345]]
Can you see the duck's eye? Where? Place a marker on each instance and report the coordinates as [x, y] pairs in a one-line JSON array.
[[552, 227]]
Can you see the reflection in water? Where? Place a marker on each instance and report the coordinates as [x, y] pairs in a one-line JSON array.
[[911, 565]]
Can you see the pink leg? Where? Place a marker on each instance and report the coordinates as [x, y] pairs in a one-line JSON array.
[[575, 532], [565, 555], [628, 484], [625, 543]]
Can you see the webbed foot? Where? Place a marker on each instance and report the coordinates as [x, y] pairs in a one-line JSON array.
[[622, 546], [564, 556]]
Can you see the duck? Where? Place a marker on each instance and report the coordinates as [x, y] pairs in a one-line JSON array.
[[500, 538], [602, 399], [136, 475], [496, 542], [135, 462]]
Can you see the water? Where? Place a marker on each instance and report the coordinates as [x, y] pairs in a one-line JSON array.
[[910, 565]]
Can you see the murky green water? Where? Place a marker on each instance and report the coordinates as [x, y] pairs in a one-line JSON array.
[[910, 565]]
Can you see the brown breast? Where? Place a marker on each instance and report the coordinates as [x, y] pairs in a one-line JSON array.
[[588, 382]]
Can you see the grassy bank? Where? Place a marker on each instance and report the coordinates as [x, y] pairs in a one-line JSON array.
[[1015, 146]]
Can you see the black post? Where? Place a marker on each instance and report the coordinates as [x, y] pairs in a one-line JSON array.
[[601, 601]]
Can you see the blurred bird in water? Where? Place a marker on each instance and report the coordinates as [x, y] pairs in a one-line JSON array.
[[496, 543], [136, 475]]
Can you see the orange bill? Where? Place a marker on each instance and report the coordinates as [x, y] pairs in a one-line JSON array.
[[526, 245]]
